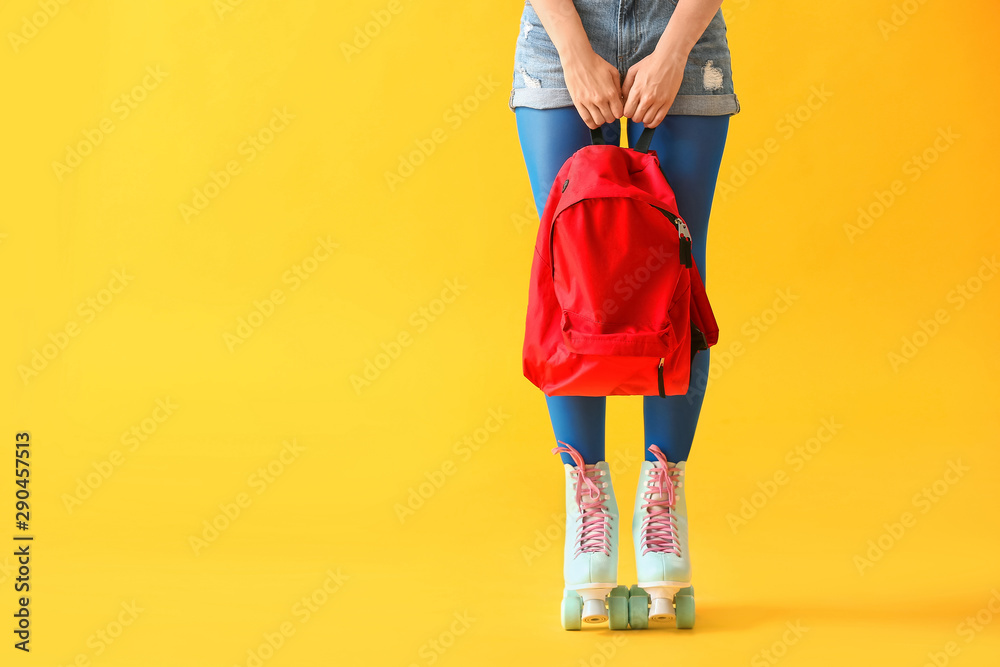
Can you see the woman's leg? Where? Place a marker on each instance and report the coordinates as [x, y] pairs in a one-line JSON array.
[[579, 421], [690, 152], [548, 137]]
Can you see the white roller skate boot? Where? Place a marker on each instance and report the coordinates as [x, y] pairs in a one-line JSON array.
[[590, 556], [660, 536]]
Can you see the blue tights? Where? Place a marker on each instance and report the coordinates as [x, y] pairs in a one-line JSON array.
[[690, 152]]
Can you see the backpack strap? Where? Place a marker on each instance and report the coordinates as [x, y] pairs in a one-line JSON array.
[[642, 145]]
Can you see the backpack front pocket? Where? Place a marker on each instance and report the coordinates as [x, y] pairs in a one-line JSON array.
[[587, 337]]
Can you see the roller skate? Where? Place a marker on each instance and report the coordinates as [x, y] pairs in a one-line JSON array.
[[590, 556], [659, 532]]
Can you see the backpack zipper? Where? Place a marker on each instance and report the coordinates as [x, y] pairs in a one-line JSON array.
[[683, 235], [684, 241]]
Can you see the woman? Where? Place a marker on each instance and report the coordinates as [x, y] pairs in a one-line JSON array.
[[664, 64]]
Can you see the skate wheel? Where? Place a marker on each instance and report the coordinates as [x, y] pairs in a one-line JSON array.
[[684, 606], [638, 609], [595, 611], [572, 611], [618, 609]]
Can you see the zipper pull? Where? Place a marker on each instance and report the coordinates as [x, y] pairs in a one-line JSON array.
[[685, 242]]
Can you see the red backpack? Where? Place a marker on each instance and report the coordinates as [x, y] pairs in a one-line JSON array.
[[616, 305]]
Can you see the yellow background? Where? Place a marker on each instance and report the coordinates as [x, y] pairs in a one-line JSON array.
[[477, 546]]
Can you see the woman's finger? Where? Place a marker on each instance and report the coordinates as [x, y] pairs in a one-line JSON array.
[[629, 80], [634, 100], [604, 108], [586, 116], [617, 104], [657, 117], [642, 109]]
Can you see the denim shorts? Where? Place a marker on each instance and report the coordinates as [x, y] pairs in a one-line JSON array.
[[623, 33]]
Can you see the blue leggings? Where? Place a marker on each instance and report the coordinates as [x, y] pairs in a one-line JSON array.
[[690, 152]]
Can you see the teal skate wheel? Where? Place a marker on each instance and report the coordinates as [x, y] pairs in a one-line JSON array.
[[572, 611], [638, 609], [620, 591], [684, 608], [618, 609]]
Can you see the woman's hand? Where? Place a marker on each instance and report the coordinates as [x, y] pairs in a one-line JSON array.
[[651, 86], [593, 84]]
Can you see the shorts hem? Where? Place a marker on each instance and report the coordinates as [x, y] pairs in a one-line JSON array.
[[540, 98], [684, 105], [705, 105]]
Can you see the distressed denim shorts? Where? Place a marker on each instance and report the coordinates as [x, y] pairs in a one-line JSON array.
[[624, 32]]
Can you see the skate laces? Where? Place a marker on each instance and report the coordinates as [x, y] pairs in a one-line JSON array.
[[593, 534], [659, 530]]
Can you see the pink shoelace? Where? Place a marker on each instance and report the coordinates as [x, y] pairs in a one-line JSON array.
[[659, 532], [593, 535]]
